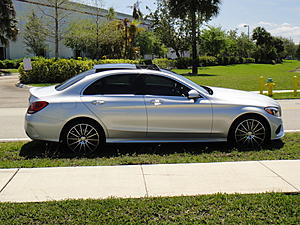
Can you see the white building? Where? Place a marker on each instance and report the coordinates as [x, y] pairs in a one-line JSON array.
[[75, 11]]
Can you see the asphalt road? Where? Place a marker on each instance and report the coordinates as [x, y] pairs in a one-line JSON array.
[[14, 103], [10, 95]]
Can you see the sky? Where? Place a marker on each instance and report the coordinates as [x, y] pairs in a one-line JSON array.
[[279, 17]]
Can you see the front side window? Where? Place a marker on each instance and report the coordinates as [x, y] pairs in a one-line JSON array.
[[158, 85], [113, 84]]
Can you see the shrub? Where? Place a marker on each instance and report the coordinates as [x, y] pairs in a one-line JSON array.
[[208, 61], [53, 70], [164, 63], [114, 61], [183, 63], [59, 70], [249, 60]]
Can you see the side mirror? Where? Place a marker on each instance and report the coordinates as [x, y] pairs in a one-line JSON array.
[[193, 94]]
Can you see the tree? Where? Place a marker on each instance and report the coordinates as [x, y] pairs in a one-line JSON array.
[[56, 13], [246, 47], [111, 14], [136, 12], [8, 24], [149, 43], [81, 36], [213, 41], [170, 30], [35, 35], [289, 48], [298, 52], [195, 12], [269, 49]]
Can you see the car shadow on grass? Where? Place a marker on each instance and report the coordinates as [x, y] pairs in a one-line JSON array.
[[40, 149]]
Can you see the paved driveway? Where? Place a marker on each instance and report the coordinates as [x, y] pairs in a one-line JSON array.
[[10, 95]]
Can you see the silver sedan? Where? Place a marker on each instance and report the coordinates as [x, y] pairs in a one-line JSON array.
[[140, 105]]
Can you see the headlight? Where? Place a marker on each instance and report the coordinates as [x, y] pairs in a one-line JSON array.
[[273, 111]]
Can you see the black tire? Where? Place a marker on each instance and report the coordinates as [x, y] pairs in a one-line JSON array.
[[249, 132], [83, 137]]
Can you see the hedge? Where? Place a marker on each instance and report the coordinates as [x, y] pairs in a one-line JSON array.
[[14, 63], [53, 70], [58, 70], [164, 63]]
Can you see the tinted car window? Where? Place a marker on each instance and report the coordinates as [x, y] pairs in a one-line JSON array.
[[114, 84], [73, 80], [158, 85]]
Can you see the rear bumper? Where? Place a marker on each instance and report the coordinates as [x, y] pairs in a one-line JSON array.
[[39, 127]]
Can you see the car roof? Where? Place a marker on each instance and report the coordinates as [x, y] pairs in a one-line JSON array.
[[115, 66]]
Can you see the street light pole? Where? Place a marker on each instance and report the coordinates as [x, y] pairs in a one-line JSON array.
[[246, 25]]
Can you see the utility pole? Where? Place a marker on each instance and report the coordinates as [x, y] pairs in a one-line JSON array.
[[247, 25]]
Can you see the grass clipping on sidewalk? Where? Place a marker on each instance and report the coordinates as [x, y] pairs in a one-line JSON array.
[[41, 154], [271, 208]]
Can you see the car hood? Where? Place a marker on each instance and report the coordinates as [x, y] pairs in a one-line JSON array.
[[237, 97], [43, 91]]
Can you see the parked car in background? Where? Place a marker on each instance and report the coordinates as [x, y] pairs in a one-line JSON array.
[[127, 103]]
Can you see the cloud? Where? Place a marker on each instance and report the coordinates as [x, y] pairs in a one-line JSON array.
[[263, 23], [284, 30]]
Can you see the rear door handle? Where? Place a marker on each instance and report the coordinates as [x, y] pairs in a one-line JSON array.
[[156, 101], [98, 102]]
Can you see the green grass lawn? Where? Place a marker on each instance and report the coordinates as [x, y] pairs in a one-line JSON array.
[[271, 208], [246, 76], [38, 154], [42, 85]]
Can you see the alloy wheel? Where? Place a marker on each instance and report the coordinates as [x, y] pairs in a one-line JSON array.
[[250, 133], [83, 138]]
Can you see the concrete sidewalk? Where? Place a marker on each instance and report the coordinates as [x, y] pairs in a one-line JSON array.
[[44, 184]]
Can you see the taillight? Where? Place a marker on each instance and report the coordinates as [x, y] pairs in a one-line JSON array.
[[36, 106]]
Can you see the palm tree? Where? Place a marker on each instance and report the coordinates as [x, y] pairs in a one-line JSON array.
[[196, 12], [8, 22]]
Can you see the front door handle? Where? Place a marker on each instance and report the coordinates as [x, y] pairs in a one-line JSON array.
[[98, 102], [156, 101]]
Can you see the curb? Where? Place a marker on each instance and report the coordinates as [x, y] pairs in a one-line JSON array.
[[20, 85], [4, 140]]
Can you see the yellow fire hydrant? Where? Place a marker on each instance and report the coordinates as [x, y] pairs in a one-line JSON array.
[[295, 85], [270, 85]]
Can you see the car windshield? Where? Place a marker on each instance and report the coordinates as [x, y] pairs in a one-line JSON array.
[[73, 80], [188, 81]]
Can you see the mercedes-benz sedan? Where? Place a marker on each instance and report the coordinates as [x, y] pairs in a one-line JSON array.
[[140, 105]]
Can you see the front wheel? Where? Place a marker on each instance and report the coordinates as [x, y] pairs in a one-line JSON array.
[[249, 132], [83, 137]]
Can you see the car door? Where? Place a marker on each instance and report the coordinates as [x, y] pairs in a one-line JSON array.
[[171, 115], [114, 101]]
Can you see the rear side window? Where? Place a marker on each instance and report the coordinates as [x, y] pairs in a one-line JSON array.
[[158, 85], [73, 80], [114, 84]]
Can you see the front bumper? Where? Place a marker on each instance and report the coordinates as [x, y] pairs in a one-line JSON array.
[[276, 125]]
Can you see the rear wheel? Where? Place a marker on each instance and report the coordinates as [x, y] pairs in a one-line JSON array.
[[250, 132], [83, 137]]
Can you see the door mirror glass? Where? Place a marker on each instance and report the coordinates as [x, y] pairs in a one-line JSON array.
[[192, 94]]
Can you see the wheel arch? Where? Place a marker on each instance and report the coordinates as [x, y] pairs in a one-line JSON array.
[[81, 119], [247, 115]]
